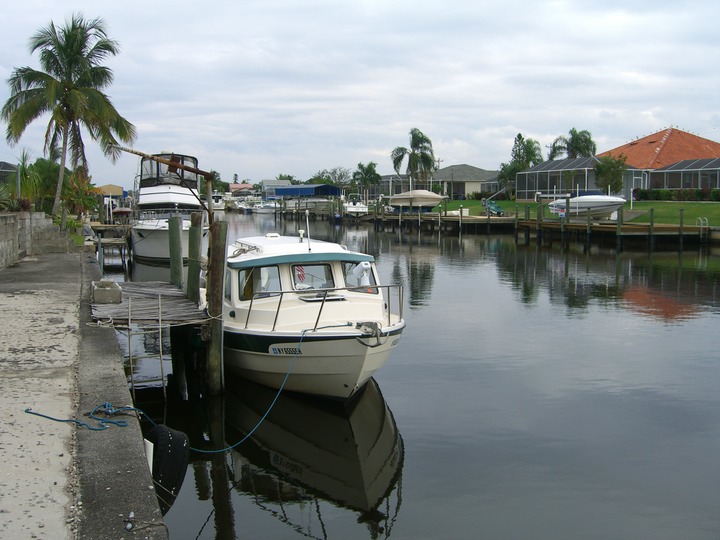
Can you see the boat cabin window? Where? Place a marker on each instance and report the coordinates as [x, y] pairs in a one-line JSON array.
[[228, 286], [258, 281], [359, 275], [312, 276]]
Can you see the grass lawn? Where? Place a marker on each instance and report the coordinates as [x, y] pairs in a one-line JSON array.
[[667, 212]]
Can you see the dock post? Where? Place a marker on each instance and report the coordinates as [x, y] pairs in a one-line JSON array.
[[680, 231], [216, 273], [538, 225], [176, 262], [194, 241], [651, 231], [527, 227], [100, 254], [588, 233], [618, 231]]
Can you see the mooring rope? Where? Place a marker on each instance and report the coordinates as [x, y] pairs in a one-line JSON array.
[[108, 409]]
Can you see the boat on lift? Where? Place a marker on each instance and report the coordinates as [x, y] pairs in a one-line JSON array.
[[595, 204]]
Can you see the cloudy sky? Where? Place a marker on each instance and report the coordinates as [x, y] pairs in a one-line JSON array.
[[262, 88]]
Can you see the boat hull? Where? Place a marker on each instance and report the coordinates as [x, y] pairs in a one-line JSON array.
[[150, 240], [595, 205], [330, 364]]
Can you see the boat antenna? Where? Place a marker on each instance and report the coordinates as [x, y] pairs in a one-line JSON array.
[[307, 228]]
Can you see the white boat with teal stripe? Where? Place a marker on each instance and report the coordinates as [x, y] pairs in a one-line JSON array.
[[306, 315]]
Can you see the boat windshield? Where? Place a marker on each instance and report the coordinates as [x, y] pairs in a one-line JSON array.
[[312, 276]]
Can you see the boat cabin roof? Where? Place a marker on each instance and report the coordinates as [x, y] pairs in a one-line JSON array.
[[273, 249]]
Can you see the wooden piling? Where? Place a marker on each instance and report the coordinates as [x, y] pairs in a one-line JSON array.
[[680, 232], [216, 271], [194, 247], [651, 231], [176, 258], [100, 254]]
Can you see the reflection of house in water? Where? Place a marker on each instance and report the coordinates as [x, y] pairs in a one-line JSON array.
[[657, 286], [316, 450], [658, 305]]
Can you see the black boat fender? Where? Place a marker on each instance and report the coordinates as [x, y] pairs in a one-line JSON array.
[[171, 453]]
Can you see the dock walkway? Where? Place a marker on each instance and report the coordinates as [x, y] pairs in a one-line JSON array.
[[60, 480], [150, 302]]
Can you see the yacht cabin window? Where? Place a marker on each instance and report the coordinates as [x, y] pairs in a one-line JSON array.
[[312, 276], [258, 282], [228, 286]]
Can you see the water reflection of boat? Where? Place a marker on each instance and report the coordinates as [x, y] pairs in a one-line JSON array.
[[348, 454]]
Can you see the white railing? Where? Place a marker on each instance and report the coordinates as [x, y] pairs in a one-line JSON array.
[[392, 294]]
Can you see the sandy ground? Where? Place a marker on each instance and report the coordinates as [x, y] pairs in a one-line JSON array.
[[38, 359]]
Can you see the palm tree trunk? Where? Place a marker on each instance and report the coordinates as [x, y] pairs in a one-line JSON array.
[[61, 174]]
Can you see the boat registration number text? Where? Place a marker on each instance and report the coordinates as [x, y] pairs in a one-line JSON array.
[[285, 350]]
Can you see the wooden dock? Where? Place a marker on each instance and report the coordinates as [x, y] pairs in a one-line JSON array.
[[611, 232], [150, 303]]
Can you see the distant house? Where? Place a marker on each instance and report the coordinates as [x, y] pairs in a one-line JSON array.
[[241, 190], [7, 172], [459, 181], [268, 186], [668, 159], [673, 159], [560, 176], [456, 181], [308, 190]]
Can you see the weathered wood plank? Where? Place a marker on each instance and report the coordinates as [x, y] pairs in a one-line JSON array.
[[144, 299]]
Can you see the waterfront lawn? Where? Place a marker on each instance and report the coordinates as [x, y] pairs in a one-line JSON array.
[[669, 212], [666, 212]]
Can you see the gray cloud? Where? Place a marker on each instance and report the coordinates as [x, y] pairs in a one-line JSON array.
[[263, 88]]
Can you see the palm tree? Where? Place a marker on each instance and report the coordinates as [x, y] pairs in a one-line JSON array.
[[69, 89], [30, 181], [366, 175], [578, 144], [421, 159]]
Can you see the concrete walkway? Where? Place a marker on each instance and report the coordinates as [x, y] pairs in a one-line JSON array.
[[58, 480]]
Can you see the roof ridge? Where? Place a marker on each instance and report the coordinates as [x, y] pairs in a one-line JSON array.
[[661, 146]]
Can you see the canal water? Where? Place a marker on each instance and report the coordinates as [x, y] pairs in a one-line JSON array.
[[536, 393]]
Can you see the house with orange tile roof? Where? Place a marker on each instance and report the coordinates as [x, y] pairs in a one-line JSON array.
[[673, 159], [669, 159], [665, 148]]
